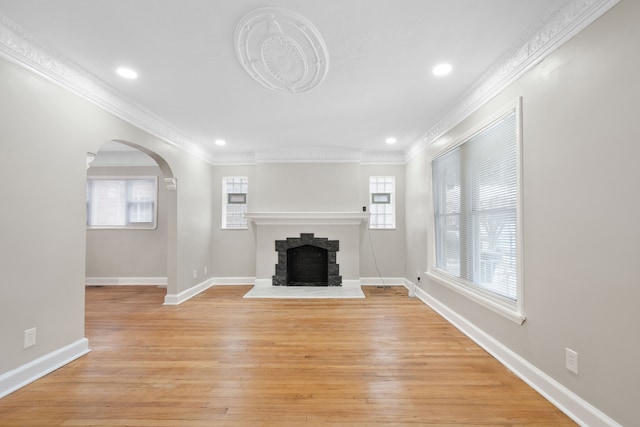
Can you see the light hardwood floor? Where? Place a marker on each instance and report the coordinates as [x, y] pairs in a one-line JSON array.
[[221, 360]]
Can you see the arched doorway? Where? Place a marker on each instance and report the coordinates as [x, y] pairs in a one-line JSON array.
[[131, 217]]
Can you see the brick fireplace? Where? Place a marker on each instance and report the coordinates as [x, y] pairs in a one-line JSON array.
[[307, 261], [339, 234]]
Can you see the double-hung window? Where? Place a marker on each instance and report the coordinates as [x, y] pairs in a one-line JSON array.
[[114, 202], [476, 215], [234, 201], [382, 202]]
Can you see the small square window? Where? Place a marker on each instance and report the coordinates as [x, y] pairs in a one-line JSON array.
[[381, 198], [236, 198]]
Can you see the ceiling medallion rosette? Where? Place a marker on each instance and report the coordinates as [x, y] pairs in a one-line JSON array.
[[281, 50]]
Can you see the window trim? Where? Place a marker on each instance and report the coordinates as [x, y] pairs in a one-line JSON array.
[[133, 225], [226, 200], [503, 306]]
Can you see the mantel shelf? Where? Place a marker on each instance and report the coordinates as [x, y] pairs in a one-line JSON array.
[[307, 218]]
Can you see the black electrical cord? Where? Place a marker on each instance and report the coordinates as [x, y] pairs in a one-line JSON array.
[[375, 261]]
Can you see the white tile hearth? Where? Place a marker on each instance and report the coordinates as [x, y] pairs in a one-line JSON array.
[[305, 292]]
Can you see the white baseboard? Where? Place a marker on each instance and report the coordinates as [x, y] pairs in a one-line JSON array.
[[177, 299], [29, 372], [233, 281], [384, 281], [120, 281], [581, 411]]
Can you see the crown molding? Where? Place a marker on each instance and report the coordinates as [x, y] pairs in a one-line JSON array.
[[382, 158], [20, 47], [235, 159], [311, 155], [315, 155], [564, 21]]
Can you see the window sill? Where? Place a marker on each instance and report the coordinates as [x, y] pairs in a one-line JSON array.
[[151, 227], [382, 229], [494, 304], [234, 228]]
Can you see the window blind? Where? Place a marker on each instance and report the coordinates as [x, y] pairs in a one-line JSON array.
[[475, 191], [121, 202]]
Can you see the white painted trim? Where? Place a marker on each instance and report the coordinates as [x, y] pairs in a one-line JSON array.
[[29, 372], [567, 20], [504, 307], [383, 281], [307, 218], [233, 281], [130, 281], [177, 299], [22, 48], [579, 410], [572, 16], [482, 298]]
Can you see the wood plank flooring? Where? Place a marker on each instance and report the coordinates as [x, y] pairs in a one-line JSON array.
[[221, 360]]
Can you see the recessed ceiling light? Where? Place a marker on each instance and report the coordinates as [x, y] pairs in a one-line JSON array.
[[220, 142], [391, 140], [442, 69], [127, 73]]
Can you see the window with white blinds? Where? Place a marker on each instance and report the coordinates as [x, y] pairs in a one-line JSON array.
[[234, 201], [121, 202], [476, 203]]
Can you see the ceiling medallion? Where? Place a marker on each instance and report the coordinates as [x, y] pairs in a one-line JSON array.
[[281, 50]]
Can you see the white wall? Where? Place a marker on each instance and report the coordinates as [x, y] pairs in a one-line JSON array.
[[45, 135], [307, 187], [234, 250], [580, 151], [310, 187], [580, 178], [382, 252]]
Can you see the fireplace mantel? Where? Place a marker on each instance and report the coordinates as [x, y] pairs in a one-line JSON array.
[[307, 218]]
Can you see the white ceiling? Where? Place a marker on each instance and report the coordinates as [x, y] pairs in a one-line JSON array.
[[378, 83]]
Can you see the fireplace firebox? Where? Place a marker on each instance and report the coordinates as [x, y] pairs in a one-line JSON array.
[[307, 261]]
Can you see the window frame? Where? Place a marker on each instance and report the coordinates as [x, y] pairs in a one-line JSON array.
[[230, 199], [152, 225], [513, 310], [392, 202]]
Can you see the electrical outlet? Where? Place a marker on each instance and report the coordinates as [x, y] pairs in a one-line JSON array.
[[571, 360], [30, 337], [205, 269], [195, 274]]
